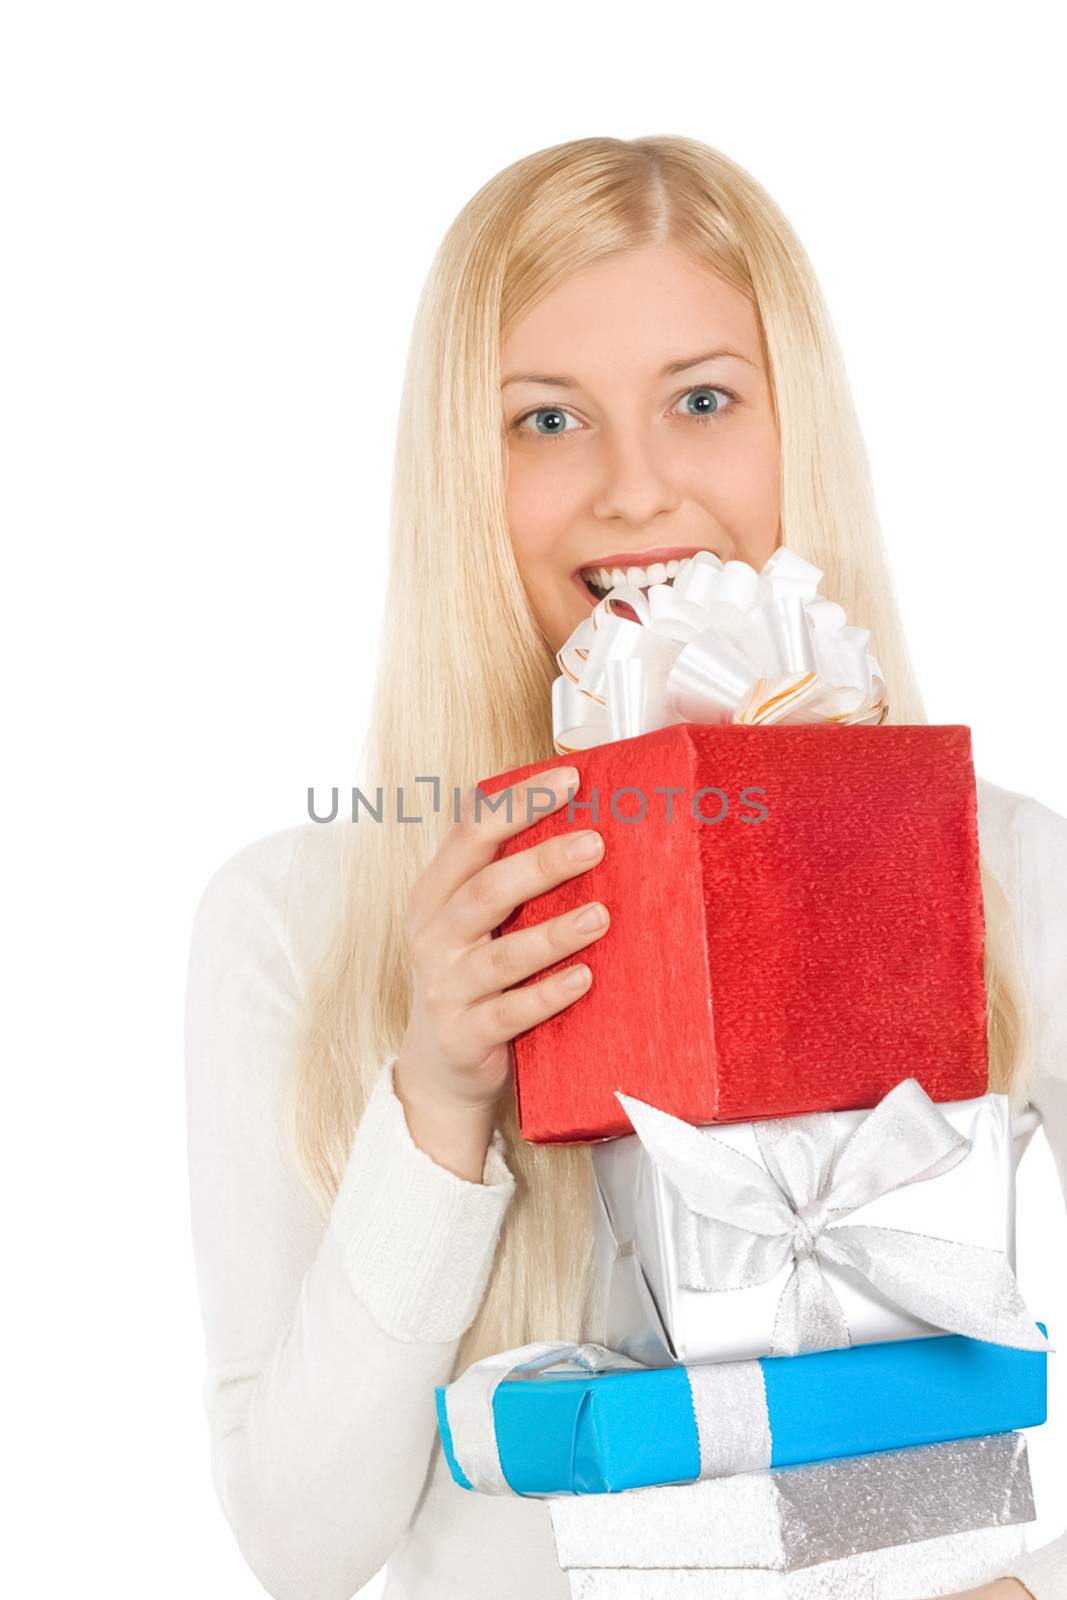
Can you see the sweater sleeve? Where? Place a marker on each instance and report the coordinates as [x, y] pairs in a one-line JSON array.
[[1041, 839], [324, 1337]]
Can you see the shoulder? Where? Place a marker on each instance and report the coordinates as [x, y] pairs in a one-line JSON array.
[[276, 901], [1025, 843], [1010, 806]]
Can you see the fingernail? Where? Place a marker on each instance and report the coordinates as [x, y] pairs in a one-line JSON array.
[[576, 977], [584, 846], [591, 917], [562, 780]]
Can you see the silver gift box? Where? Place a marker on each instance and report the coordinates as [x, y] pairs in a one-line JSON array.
[[647, 1310], [787, 1518], [945, 1566]]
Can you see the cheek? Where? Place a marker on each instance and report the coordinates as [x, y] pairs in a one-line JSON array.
[[541, 500], [741, 477]]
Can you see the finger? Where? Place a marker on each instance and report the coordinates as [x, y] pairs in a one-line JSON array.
[[502, 1016], [499, 963], [483, 902], [484, 823]]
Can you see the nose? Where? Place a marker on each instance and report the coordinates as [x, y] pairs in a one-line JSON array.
[[636, 484]]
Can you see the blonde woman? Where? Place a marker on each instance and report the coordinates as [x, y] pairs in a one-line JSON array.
[[621, 356]]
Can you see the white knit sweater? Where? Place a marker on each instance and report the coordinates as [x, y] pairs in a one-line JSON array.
[[324, 1343]]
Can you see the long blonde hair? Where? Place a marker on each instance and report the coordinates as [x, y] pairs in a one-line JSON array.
[[464, 673]]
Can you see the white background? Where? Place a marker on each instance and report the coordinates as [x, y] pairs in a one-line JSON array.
[[217, 219]]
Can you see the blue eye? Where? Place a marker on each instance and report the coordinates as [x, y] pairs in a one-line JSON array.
[[707, 412], [551, 412]]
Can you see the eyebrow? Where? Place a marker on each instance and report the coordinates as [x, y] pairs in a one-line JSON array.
[[554, 380]]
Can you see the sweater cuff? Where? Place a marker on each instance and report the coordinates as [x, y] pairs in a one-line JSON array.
[[1044, 1571], [417, 1240]]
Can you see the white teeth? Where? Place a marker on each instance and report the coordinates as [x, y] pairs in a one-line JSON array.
[[605, 578]]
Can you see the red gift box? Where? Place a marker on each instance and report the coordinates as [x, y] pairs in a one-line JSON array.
[[817, 939]]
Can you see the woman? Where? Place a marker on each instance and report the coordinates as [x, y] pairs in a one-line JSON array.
[[633, 332]]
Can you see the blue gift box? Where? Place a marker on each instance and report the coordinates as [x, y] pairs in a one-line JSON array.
[[595, 1433]]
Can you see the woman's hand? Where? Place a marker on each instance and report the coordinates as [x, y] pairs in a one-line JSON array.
[[454, 1060], [1002, 1589]]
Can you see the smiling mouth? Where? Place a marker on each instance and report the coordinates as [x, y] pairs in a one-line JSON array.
[[598, 581]]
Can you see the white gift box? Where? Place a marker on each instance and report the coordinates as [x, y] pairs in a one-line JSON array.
[[667, 1266], [787, 1518], [942, 1566]]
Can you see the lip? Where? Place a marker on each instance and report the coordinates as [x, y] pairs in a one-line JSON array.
[[633, 558]]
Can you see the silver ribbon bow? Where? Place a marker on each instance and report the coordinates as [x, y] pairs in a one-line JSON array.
[[741, 1223], [722, 643]]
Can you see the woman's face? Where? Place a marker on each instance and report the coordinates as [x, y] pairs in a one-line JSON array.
[[639, 428]]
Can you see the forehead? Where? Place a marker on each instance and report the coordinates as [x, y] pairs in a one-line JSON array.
[[635, 311]]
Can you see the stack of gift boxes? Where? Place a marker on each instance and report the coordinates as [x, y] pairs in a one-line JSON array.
[[815, 1360]]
